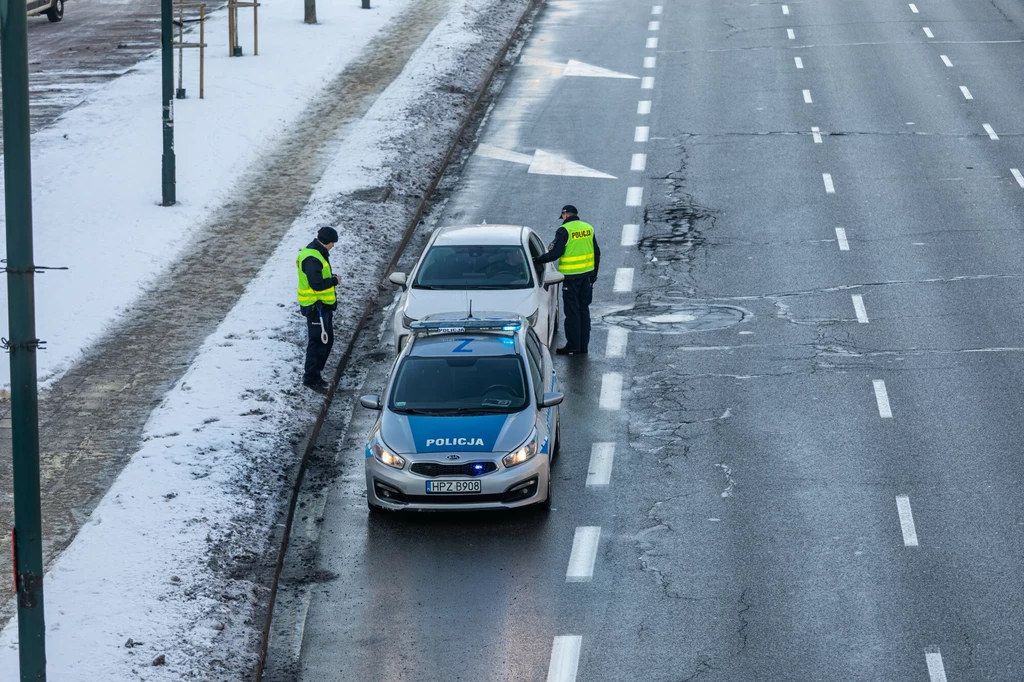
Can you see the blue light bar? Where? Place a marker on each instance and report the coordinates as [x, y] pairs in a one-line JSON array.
[[463, 325]]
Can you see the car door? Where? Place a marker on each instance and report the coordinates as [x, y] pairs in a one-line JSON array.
[[549, 294], [542, 373]]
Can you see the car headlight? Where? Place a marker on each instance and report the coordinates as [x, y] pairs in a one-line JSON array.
[[385, 456], [524, 453], [532, 319], [407, 321]]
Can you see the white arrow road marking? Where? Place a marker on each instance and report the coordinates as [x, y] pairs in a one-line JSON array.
[[575, 68], [541, 162]]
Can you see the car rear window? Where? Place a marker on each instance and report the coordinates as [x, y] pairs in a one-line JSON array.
[[460, 385], [474, 267]]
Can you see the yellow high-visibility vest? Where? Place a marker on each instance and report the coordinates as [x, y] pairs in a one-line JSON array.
[[579, 251], [306, 295]]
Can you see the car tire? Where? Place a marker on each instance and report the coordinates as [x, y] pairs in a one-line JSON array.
[[557, 449], [545, 506], [56, 12]]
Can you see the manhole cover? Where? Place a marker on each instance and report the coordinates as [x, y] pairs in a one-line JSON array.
[[677, 318]]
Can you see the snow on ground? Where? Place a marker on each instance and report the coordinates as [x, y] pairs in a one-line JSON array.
[[96, 170], [161, 560]]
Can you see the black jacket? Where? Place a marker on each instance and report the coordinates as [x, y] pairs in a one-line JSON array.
[[558, 248], [313, 269]]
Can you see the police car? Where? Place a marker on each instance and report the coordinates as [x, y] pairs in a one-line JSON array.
[[469, 418]]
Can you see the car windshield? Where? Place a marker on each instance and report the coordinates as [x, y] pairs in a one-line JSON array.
[[474, 267], [473, 385]]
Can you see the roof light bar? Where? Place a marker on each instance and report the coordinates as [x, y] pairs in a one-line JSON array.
[[462, 325]]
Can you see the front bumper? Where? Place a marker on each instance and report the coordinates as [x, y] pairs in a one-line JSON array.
[[520, 486]]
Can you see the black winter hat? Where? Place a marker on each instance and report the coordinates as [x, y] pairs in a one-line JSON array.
[[570, 209], [327, 235]]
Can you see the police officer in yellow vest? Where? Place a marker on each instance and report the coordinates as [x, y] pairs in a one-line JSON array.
[[575, 248], [318, 300]]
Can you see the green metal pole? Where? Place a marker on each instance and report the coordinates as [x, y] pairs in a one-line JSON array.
[[167, 64], [28, 533]]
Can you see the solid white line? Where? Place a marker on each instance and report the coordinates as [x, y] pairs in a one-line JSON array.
[[634, 196], [643, 107], [652, 43], [611, 391], [913, 8], [841, 238], [906, 521], [623, 280], [785, 9], [807, 97], [936, 670], [654, 26], [630, 235], [647, 83], [829, 187], [967, 93], [816, 134], [790, 34], [656, 9], [601, 457], [638, 163], [799, 62], [858, 307], [641, 134], [991, 132], [1017, 176], [583, 555], [649, 62], [945, 60], [882, 398], [928, 32], [616, 345], [565, 658]]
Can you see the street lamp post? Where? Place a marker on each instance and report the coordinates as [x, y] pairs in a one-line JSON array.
[[167, 65]]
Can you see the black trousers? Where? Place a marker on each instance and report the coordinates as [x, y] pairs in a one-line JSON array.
[[577, 293], [316, 350]]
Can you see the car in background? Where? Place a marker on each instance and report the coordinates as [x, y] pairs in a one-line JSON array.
[[53, 9], [468, 420], [479, 267]]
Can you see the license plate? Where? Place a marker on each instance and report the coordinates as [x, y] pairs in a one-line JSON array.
[[453, 487]]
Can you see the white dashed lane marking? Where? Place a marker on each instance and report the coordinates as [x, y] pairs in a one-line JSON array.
[[634, 196], [799, 62], [991, 132], [945, 60], [652, 43], [638, 163], [841, 238], [643, 107], [906, 521], [565, 658], [829, 187], [967, 93], [882, 398], [618, 337], [647, 83], [623, 280], [928, 32], [611, 391], [913, 8], [807, 97], [601, 457], [656, 9], [1017, 176], [583, 555], [933, 659], [791, 34], [654, 26], [649, 62], [630, 235], [785, 9], [858, 308], [816, 134], [641, 134]]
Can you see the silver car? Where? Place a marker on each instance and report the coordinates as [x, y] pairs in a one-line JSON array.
[[480, 267], [469, 419]]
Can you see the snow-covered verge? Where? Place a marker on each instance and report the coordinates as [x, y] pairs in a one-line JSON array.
[[158, 584], [96, 170]]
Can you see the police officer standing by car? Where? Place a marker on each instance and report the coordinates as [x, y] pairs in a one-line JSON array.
[[318, 300], [575, 248]]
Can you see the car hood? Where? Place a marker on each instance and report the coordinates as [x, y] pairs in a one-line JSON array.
[[422, 302], [425, 435]]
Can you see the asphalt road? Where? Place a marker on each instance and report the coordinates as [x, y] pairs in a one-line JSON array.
[[816, 471]]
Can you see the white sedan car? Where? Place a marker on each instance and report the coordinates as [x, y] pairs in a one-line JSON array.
[[482, 268]]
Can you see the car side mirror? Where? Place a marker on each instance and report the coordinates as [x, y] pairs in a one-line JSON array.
[[553, 277], [398, 278], [552, 399], [370, 402]]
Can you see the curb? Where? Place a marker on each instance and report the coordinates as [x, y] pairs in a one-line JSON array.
[[314, 433]]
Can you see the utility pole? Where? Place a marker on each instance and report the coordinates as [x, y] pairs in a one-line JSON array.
[[27, 538], [167, 65], [310, 17]]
